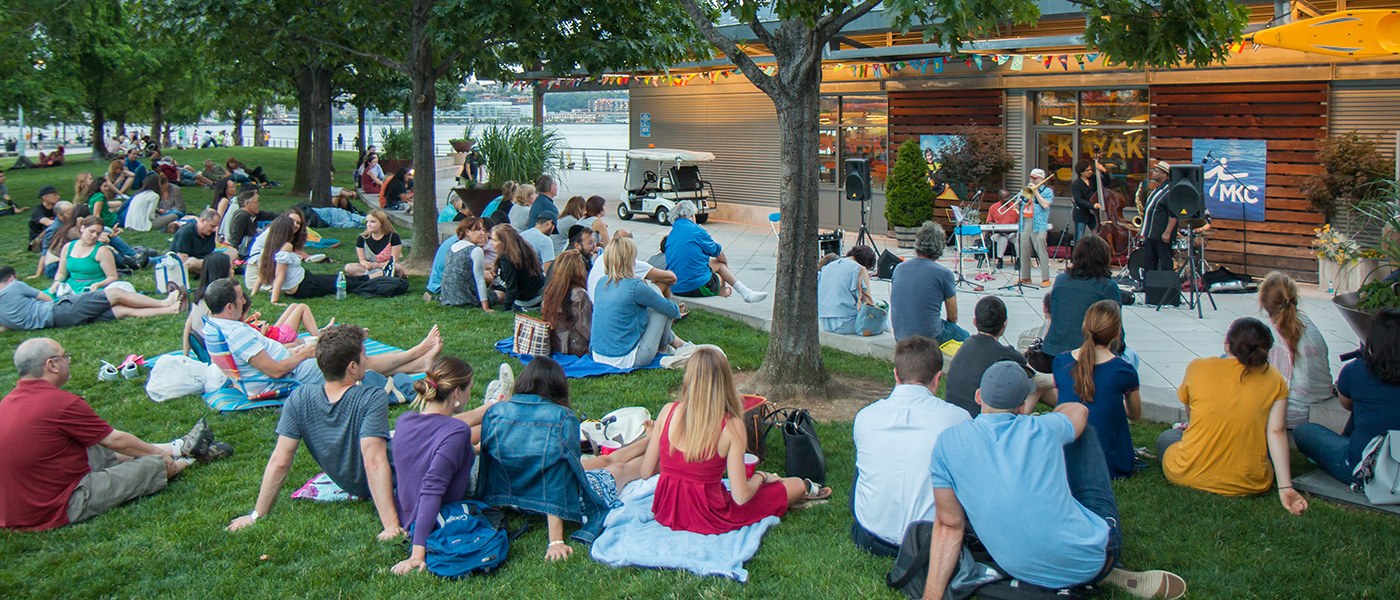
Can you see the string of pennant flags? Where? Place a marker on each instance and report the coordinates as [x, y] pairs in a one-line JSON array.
[[1015, 62]]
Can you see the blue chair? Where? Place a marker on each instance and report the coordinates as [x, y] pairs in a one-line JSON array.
[[980, 251]]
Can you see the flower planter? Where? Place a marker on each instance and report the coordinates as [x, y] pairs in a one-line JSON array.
[[461, 145], [476, 199], [391, 165], [1341, 278], [1359, 320], [904, 236]]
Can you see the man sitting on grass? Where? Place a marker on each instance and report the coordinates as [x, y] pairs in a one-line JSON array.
[[698, 261], [24, 308], [259, 357], [243, 221], [60, 463], [894, 441], [346, 429], [1035, 490], [982, 350], [196, 240]]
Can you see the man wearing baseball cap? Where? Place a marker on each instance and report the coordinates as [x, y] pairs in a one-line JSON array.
[[43, 213], [1036, 490], [1035, 226], [1158, 224]]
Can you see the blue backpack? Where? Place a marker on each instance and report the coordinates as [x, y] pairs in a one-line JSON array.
[[466, 541]]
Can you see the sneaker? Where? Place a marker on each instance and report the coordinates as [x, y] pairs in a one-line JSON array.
[[213, 452], [197, 441], [107, 372], [1148, 584], [507, 378]]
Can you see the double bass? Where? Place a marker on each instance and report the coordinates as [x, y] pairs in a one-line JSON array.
[[1110, 214]]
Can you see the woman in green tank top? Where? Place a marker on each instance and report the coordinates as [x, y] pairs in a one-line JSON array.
[[86, 263]]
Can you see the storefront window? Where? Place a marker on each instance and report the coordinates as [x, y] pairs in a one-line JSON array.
[[853, 127], [1055, 108], [1079, 125]]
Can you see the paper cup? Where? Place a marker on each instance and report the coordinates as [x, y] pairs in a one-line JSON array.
[[607, 447], [750, 463]]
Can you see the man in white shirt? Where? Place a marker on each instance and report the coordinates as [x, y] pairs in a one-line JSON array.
[[894, 440], [641, 269]]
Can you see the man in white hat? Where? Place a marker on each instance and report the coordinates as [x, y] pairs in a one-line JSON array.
[[1035, 226], [1158, 224]]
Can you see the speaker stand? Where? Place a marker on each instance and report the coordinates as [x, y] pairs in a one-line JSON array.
[[1192, 270], [863, 236]]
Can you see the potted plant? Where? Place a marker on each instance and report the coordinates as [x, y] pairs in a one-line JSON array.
[[908, 197], [977, 159], [1375, 294], [1343, 264], [396, 148], [1352, 168], [463, 144], [511, 153]]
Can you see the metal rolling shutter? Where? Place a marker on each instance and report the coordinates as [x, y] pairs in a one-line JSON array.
[[1371, 111], [1016, 108], [739, 126]]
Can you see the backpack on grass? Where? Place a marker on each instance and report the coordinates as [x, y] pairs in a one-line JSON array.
[[383, 287], [470, 538], [975, 573]]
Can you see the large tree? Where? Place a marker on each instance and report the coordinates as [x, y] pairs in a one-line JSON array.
[[795, 33]]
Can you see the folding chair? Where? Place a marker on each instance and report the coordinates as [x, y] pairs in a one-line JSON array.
[[773, 220], [234, 396]]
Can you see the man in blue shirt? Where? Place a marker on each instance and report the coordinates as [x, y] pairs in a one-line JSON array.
[[920, 289], [1049, 469], [699, 263], [544, 206]]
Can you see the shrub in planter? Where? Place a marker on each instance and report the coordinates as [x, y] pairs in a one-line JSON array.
[[517, 153], [396, 149], [1351, 167], [908, 197]]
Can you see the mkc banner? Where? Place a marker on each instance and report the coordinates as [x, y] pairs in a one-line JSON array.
[[1234, 177]]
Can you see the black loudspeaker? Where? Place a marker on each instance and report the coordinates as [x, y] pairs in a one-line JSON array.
[[884, 269], [1186, 196], [1162, 287], [857, 179]]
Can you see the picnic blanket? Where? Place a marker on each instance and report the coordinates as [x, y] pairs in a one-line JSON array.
[[633, 538], [1318, 483], [321, 489], [231, 399], [576, 366]]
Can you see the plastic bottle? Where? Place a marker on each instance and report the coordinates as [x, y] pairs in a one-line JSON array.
[[340, 286]]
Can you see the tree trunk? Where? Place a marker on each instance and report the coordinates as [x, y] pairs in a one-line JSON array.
[[792, 366], [165, 135], [238, 126], [424, 102], [360, 129], [157, 123], [259, 130], [322, 92], [121, 125], [302, 181], [99, 141]]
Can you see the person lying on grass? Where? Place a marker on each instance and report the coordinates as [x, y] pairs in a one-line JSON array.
[[555, 481], [345, 426], [258, 357], [23, 308], [60, 463], [702, 438], [1005, 463]]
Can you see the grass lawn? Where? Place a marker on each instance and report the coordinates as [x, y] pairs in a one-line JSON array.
[[173, 544]]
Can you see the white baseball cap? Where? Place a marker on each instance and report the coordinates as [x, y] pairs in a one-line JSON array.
[[1038, 173]]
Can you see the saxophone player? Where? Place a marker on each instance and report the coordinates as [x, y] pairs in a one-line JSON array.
[[1034, 201]]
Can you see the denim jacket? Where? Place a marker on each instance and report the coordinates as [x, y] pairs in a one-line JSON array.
[[530, 462]]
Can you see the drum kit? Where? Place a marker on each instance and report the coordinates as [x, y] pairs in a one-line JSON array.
[[1181, 249]]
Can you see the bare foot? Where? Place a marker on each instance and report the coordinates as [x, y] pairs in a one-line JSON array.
[[727, 292]]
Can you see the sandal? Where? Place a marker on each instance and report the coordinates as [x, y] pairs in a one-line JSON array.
[[182, 293], [685, 310], [815, 491]]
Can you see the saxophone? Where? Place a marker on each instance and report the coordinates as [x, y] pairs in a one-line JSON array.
[[1138, 199]]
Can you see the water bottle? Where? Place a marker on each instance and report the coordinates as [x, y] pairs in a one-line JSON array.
[[340, 286]]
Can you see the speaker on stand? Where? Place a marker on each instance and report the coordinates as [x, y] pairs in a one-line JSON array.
[[1186, 202], [858, 190]]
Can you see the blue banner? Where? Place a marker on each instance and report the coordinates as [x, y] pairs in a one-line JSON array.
[[1234, 177]]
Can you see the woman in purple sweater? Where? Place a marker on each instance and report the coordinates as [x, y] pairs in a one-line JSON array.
[[433, 452]]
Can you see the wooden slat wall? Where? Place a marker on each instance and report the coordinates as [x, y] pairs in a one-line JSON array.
[[1292, 117], [931, 112]]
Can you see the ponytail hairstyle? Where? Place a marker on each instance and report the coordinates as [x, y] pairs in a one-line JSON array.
[[1249, 341], [1278, 295], [447, 375], [1102, 325]]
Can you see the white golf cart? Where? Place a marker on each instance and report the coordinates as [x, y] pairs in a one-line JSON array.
[[651, 195]]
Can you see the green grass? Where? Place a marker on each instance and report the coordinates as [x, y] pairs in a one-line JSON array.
[[173, 544]]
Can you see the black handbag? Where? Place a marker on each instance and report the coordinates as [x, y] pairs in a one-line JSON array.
[[804, 451]]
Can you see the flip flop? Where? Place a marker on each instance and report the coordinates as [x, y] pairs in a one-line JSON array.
[[815, 491], [184, 295]]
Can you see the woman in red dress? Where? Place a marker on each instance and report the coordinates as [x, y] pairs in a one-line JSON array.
[[703, 438]]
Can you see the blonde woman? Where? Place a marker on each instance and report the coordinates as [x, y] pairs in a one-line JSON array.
[[1301, 354], [519, 214], [631, 320], [378, 247], [702, 439]]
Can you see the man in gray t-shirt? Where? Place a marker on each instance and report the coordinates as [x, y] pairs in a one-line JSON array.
[[24, 308], [979, 352], [920, 289], [345, 425]]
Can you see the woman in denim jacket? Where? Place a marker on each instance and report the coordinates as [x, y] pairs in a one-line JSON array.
[[530, 458]]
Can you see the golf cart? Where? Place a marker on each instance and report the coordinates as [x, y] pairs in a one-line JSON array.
[[648, 194]]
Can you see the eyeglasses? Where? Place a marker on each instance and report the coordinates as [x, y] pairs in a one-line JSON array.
[[66, 357]]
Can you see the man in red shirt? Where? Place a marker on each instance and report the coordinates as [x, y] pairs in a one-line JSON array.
[[60, 463], [1003, 212]]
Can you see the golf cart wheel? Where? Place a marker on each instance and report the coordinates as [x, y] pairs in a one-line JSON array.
[[663, 215], [623, 212], [702, 217]]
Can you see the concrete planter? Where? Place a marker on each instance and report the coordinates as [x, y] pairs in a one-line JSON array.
[[1341, 278]]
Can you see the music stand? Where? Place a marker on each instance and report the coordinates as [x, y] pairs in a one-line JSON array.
[[1021, 254], [959, 221]]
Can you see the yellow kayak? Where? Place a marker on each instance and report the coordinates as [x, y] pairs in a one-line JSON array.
[[1349, 34]]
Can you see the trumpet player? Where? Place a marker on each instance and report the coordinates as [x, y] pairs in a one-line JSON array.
[[1033, 201]]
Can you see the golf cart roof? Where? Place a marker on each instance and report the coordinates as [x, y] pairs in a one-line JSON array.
[[669, 154]]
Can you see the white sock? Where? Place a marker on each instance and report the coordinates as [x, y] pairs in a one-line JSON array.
[[175, 447], [742, 289]]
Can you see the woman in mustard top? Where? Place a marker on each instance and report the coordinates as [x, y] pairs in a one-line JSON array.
[[1237, 439]]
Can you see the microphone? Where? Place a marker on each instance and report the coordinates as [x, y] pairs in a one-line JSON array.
[[1209, 153]]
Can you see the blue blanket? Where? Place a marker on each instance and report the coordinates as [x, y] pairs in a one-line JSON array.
[[633, 538], [575, 366]]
